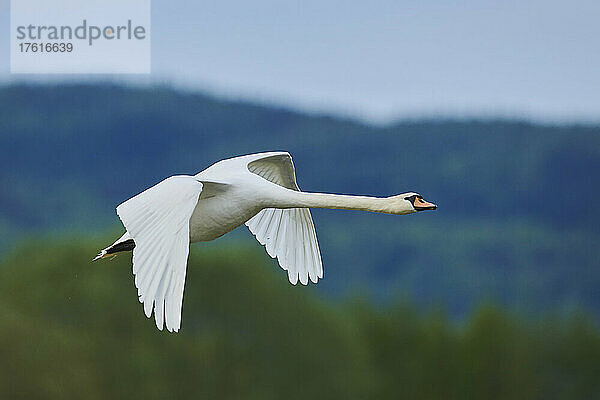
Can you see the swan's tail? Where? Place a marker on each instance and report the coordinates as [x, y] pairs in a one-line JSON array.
[[124, 243]]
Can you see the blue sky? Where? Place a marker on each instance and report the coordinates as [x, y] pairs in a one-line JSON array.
[[379, 60]]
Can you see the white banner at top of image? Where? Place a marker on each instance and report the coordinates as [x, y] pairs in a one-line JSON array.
[[80, 36]]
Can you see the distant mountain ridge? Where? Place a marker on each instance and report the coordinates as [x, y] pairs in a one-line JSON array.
[[517, 219]]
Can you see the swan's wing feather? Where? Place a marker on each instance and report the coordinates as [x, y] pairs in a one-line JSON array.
[[158, 221], [277, 168], [289, 235]]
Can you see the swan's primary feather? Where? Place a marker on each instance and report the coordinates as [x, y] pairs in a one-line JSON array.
[[288, 234], [158, 221]]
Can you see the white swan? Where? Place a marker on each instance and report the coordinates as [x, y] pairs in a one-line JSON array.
[[259, 190]]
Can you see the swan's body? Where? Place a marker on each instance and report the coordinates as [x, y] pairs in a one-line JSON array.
[[259, 190]]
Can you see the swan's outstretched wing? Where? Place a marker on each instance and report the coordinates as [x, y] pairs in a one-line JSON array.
[[158, 221], [288, 234]]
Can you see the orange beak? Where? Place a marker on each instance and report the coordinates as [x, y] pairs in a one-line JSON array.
[[420, 204]]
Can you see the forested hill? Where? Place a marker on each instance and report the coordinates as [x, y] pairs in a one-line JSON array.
[[517, 222]]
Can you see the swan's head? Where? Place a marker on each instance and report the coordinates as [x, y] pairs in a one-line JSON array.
[[408, 203]]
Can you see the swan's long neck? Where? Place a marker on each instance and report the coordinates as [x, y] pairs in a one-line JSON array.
[[339, 201]]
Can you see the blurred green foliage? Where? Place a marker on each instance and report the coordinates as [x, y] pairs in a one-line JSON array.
[[70, 328], [517, 222]]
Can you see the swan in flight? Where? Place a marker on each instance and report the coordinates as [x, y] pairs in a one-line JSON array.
[[258, 190]]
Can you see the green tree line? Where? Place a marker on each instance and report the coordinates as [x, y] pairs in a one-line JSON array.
[[516, 219], [70, 328]]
